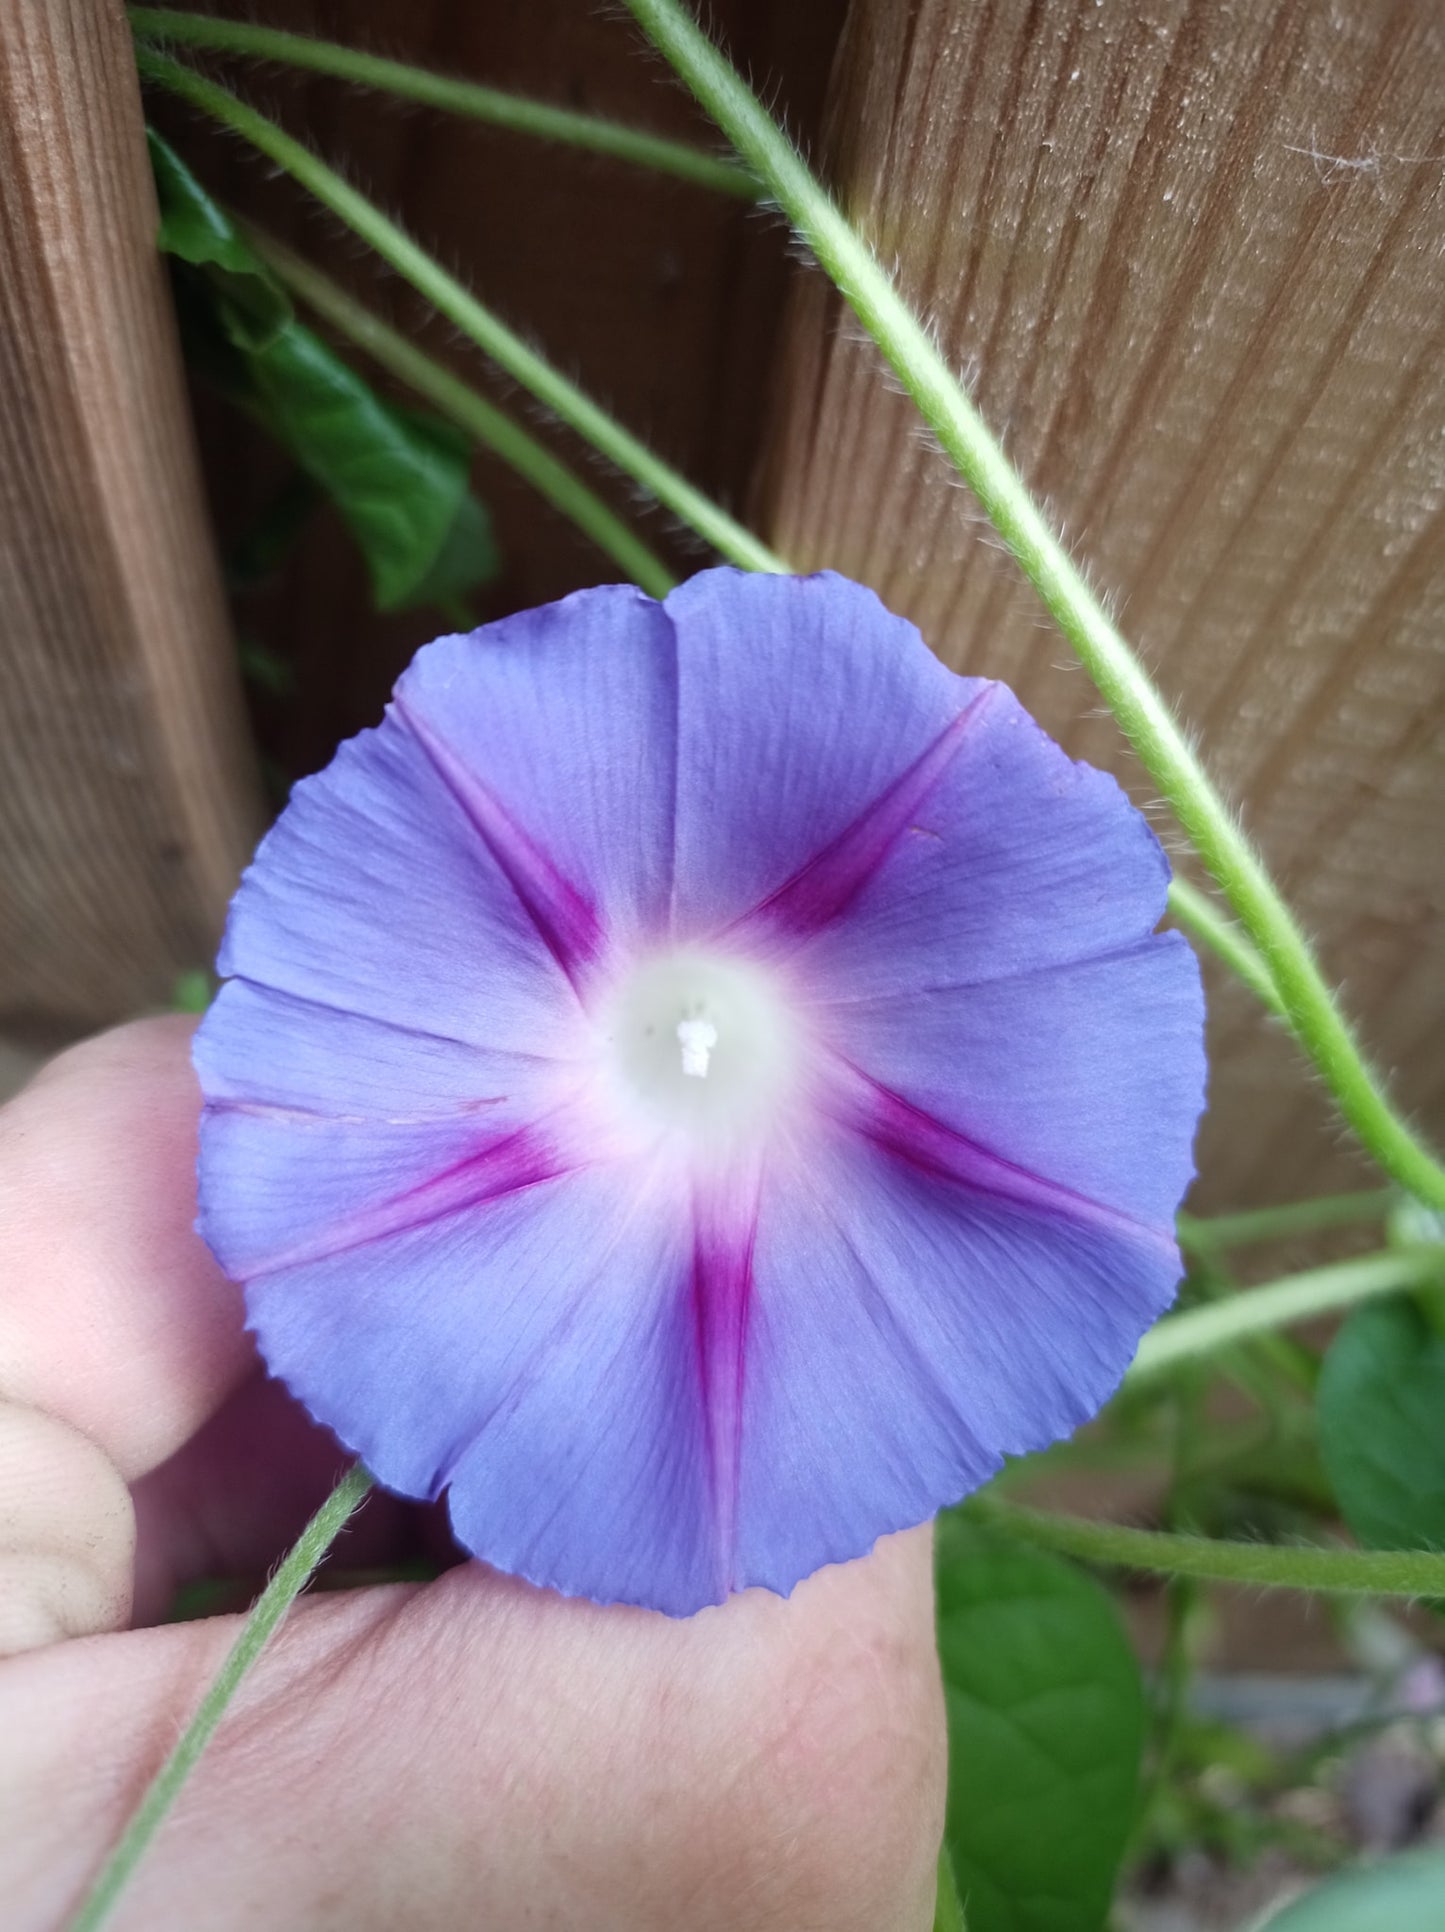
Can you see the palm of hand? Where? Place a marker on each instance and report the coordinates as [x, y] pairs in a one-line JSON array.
[[465, 1752]]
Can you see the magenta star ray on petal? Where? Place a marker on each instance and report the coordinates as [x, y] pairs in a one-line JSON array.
[[493, 1169], [827, 885], [725, 1227], [911, 1135], [699, 1084], [565, 922]]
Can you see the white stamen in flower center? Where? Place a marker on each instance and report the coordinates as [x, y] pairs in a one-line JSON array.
[[698, 1038], [701, 1044]]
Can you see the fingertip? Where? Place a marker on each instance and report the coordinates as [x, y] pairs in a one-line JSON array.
[[67, 1534], [116, 1318]]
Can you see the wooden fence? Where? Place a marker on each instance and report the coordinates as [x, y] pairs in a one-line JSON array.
[[1188, 250]]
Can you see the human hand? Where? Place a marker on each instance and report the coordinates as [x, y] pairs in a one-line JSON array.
[[466, 1752]]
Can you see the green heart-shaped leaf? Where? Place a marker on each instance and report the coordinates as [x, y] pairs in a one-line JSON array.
[[1045, 1734], [1381, 1407]]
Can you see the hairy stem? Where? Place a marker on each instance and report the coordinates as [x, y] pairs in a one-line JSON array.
[[515, 112], [1293, 1298], [1214, 1233], [477, 322], [1268, 1566], [1141, 712], [275, 1600], [470, 411], [1198, 915]]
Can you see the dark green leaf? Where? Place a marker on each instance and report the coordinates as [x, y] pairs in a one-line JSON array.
[[399, 492], [1382, 1426], [195, 229], [1405, 1894], [397, 477], [1045, 1734], [208, 339], [468, 556]]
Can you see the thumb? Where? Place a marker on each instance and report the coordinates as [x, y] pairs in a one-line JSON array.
[[118, 1333], [67, 1533]]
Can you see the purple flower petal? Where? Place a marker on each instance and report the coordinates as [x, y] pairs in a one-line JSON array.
[[829, 884], [908, 1331], [1055, 1071], [700, 1084], [373, 895], [557, 728], [1000, 969], [269, 1048], [1017, 859], [317, 1188], [932, 1147], [801, 701], [550, 1378], [724, 1235]]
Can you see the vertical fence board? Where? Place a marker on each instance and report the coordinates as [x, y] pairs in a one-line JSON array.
[[1188, 252], [127, 800]]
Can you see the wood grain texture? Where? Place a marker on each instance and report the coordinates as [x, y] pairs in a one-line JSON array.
[[1189, 254], [127, 802], [662, 299]]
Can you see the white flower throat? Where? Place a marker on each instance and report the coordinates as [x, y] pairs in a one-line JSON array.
[[701, 1043]]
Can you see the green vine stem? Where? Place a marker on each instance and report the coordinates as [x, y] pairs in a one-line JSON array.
[[275, 1600], [1141, 712], [481, 419], [1202, 919], [477, 322], [1267, 1566], [515, 112], [1216, 1233], [1293, 1298]]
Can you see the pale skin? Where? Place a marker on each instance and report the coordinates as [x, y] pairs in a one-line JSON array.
[[461, 1753]]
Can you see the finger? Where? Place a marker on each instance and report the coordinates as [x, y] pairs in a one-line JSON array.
[[115, 1319], [67, 1533], [234, 1498], [118, 1333], [478, 1752]]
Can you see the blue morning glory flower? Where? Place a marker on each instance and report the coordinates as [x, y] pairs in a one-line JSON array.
[[699, 1084]]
